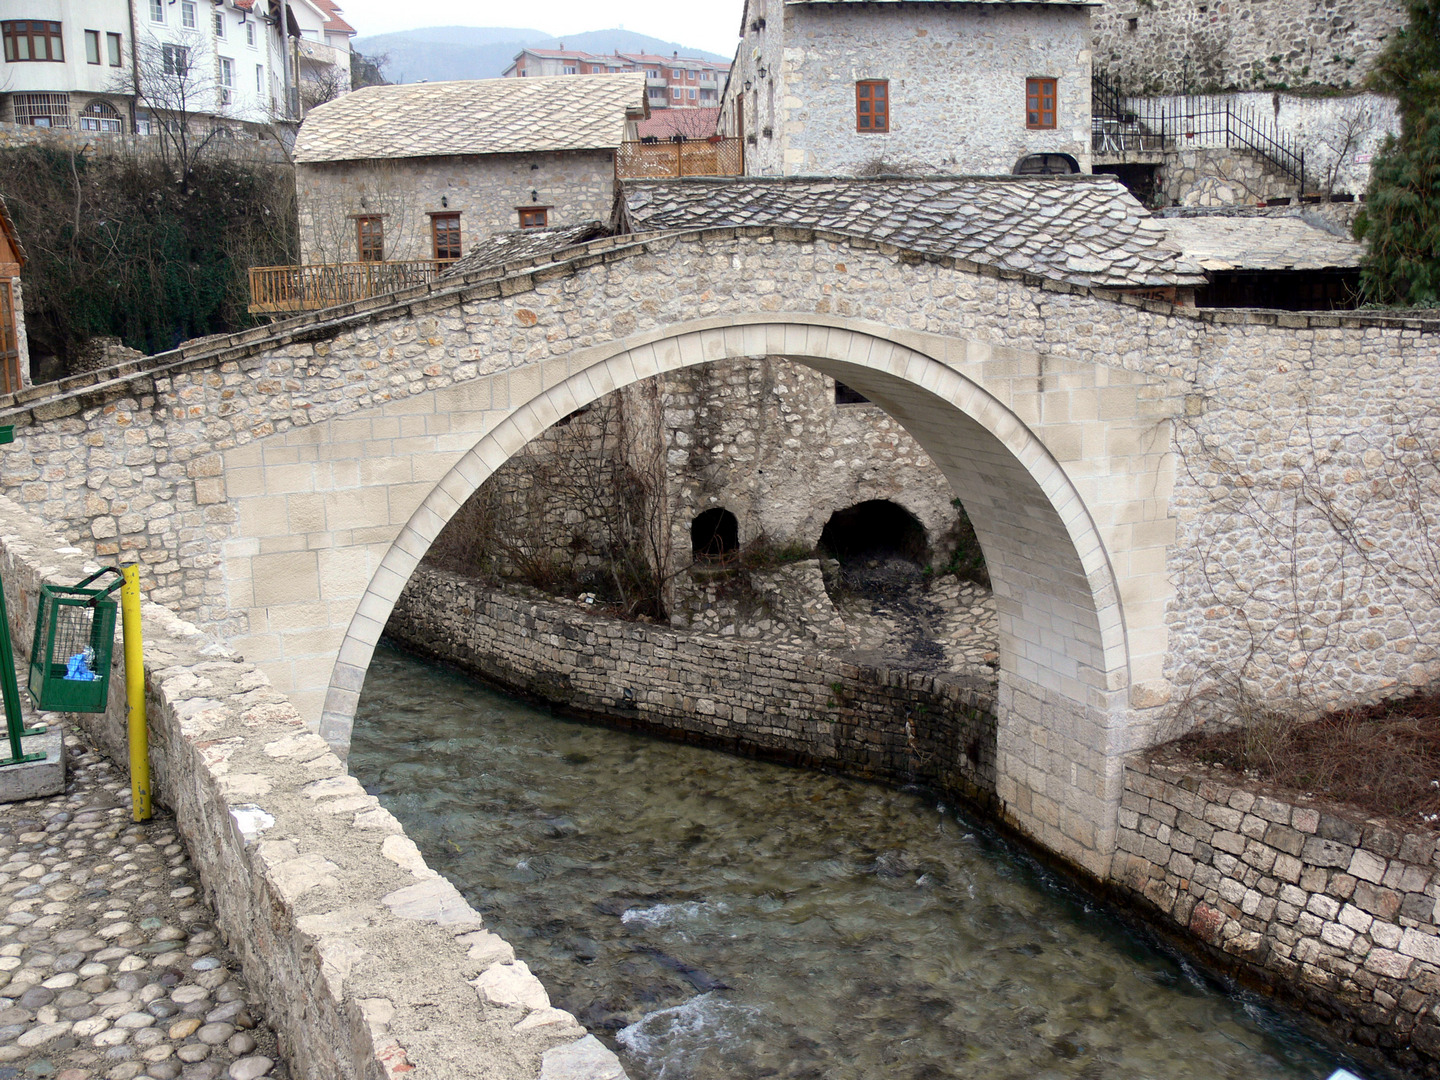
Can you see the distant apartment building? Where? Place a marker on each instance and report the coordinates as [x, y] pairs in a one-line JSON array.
[[671, 82], [127, 66]]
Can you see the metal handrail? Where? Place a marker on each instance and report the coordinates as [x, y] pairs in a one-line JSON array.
[[1121, 123]]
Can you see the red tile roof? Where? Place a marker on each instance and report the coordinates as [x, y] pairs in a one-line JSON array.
[[335, 24]]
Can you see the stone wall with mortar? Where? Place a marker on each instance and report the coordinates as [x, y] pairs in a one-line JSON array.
[[1180, 46], [22, 340], [763, 438], [956, 83], [371, 965], [486, 191], [242, 148], [1324, 906], [1221, 177], [771, 698]]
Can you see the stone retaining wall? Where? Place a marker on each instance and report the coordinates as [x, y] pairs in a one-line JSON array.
[[764, 698], [371, 965], [1336, 912]]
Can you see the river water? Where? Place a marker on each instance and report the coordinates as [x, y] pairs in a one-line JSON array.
[[713, 917]]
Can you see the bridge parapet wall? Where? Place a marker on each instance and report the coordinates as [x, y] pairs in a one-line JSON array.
[[366, 958]]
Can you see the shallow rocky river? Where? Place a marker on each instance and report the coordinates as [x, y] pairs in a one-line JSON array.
[[713, 917]]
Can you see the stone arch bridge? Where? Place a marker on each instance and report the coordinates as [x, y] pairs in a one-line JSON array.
[[282, 484]]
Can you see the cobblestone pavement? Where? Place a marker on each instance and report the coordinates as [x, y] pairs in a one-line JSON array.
[[110, 963]]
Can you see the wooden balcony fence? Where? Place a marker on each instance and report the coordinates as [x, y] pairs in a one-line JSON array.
[[283, 289], [693, 157]]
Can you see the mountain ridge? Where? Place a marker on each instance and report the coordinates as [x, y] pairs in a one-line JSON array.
[[444, 53]]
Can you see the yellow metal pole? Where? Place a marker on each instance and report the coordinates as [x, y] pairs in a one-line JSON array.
[[135, 693]]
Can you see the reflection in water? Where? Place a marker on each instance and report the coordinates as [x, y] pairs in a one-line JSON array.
[[714, 917]]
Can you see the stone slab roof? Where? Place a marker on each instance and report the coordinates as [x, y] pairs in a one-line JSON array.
[[1260, 243], [480, 116], [509, 247], [1087, 230]]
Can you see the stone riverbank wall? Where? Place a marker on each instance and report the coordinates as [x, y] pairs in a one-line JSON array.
[[1330, 910], [370, 964], [766, 698]]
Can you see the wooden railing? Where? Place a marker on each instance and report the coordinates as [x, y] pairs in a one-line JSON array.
[[276, 289], [693, 157]]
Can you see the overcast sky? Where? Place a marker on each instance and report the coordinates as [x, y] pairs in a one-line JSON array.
[[703, 25]]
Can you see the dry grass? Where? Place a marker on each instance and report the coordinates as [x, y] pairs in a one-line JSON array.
[[1383, 760]]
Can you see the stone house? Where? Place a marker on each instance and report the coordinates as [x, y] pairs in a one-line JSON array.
[[845, 87], [14, 356], [390, 173]]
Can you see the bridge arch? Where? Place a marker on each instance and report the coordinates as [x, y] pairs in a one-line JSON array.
[[1064, 663]]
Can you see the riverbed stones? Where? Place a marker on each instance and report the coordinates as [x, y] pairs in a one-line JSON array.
[[110, 966]]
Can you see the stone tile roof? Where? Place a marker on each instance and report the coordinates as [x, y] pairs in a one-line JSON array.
[[1087, 230], [481, 116], [1260, 243], [509, 247]]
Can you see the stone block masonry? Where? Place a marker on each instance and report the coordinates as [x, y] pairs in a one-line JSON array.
[[770, 698], [370, 965], [1183, 46], [1324, 907]]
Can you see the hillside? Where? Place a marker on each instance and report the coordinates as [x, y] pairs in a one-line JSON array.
[[438, 53]]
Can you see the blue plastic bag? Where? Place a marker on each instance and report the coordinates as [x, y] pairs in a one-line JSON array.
[[78, 668]]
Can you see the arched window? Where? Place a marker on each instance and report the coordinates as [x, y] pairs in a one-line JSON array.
[[714, 533], [1046, 165], [101, 116], [875, 529]]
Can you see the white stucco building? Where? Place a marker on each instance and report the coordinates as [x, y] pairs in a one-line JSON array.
[[125, 66], [845, 87]]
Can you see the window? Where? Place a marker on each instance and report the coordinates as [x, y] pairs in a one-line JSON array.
[[157, 11], [187, 14], [220, 25], [260, 79], [370, 238], [445, 232], [227, 80], [41, 110], [1040, 103], [101, 116], [114, 49], [570, 69], [676, 92], [676, 73], [534, 217], [692, 93], [175, 60], [92, 46], [32, 39], [872, 106], [250, 34]]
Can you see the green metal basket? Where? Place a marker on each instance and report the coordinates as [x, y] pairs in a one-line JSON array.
[[74, 639]]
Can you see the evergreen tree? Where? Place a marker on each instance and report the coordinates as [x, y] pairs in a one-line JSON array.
[[1401, 217]]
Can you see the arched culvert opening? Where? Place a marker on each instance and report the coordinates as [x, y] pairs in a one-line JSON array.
[[714, 533], [876, 530]]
